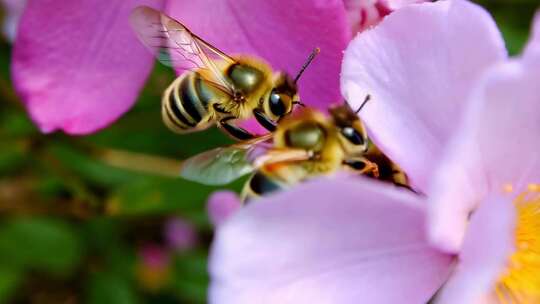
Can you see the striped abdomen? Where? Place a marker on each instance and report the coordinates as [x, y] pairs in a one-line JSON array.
[[185, 103], [388, 170], [258, 185]]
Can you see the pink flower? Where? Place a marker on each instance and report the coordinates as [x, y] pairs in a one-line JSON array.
[[328, 241], [153, 267], [350, 240], [221, 205], [78, 66], [154, 256], [419, 65], [492, 171], [179, 234]]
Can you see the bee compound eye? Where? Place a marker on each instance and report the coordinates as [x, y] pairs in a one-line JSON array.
[[277, 103], [353, 136]]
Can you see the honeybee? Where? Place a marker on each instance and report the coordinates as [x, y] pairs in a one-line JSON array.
[[305, 144], [355, 142], [216, 88]]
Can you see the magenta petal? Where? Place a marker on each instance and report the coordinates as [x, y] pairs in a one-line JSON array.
[[486, 249], [154, 256], [283, 32], [180, 234], [419, 64], [328, 241], [77, 65]]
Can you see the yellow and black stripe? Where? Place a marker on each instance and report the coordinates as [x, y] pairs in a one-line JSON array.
[[185, 103], [259, 185]]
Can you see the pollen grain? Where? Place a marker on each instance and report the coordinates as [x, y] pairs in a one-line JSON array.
[[520, 282]]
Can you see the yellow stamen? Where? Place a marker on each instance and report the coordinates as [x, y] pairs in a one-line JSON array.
[[520, 283]]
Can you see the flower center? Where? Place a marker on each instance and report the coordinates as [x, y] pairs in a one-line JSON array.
[[520, 283]]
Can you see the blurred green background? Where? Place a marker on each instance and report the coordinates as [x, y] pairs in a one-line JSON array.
[[76, 229]]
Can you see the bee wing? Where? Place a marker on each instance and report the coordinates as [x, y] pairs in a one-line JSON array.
[[175, 45], [222, 165], [217, 167]]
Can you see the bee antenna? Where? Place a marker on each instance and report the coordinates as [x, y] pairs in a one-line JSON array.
[[299, 103], [368, 97], [306, 64]]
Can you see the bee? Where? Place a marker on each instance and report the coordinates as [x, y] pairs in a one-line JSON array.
[[304, 145], [216, 88], [355, 142], [328, 147], [339, 142]]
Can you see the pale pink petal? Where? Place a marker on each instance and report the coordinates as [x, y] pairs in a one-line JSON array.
[[533, 46], [397, 4], [486, 249], [341, 240], [283, 32], [457, 187], [221, 205], [420, 64], [77, 64], [497, 146], [13, 9]]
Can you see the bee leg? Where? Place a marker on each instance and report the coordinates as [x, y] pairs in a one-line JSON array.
[[264, 121], [218, 109], [363, 166], [235, 131]]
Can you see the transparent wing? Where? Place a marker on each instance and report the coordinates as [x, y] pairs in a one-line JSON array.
[[222, 165], [217, 167], [175, 45]]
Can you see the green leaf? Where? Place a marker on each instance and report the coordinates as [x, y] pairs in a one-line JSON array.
[[40, 244], [9, 280], [17, 123], [5, 55], [51, 187], [157, 196], [110, 289], [514, 20], [105, 239], [102, 234], [130, 134], [190, 276], [90, 169], [13, 156], [161, 196]]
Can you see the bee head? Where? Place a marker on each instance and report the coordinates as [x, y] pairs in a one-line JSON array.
[[352, 134], [284, 94], [281, 98]]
